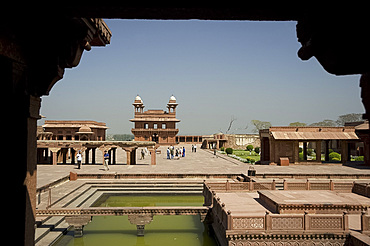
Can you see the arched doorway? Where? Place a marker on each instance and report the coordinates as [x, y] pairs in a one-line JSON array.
[[155, 137]]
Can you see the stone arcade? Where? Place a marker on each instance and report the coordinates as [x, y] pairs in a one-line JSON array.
[[37, 43], [62, 147]]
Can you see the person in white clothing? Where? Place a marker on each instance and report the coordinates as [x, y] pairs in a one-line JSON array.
[[79, 159]]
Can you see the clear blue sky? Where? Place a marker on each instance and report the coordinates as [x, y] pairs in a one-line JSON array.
[[215, 69]]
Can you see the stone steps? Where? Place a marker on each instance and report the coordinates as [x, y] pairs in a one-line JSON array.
[[50, 230]]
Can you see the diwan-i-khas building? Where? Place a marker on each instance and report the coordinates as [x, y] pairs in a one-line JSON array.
[[155, 125]]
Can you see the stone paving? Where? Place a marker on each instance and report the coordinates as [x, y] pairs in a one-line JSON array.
[[201, 162]]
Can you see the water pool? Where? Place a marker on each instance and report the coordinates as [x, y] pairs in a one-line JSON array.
[[163, 230]]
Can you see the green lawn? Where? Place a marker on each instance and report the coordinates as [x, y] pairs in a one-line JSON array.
[[244, 154]]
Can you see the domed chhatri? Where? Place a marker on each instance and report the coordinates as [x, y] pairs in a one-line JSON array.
[[138, 98], [138, 104], [172, 104], [154, 124], [172, 98], [85, 128]]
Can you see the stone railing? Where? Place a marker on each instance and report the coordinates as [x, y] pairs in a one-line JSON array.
[[140, 216], [299, 184], [362, 189], [119, 211], [340, 186], [280, 223], [212, 187], [299, 223]]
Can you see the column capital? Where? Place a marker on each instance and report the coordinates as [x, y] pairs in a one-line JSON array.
[[53, 149]]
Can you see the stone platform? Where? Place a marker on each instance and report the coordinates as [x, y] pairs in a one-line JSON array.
[[316, 202]]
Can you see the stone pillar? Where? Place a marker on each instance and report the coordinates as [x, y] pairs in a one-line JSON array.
[[296, 152], [114, 155], [54, 155], [110, 156], [318, 151], [78, 222], [140, 221], [73, 155], [128, 155], [87, 155], [23, 181], [93, 153], [344, 151], [131, 155], [153, 156], [327, 150], [271, 143]]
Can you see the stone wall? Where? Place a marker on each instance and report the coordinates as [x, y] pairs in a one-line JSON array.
[[241, 141]]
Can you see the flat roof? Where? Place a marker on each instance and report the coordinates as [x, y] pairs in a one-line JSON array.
[[314, 135]]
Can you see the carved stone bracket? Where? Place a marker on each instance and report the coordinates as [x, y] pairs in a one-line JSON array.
[[78, 222], [140, 221]]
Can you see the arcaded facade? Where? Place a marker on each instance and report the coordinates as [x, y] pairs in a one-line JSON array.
[[155, 125], [86, 130]]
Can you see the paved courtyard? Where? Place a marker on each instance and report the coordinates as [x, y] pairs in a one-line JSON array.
[[201, 162]]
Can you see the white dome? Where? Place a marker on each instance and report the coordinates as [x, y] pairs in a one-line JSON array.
[[138, 98], [173, 98]]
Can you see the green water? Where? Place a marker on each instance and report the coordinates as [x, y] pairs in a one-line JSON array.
[[107, 200], [163, 230]]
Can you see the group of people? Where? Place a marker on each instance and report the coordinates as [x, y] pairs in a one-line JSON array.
[[175, 153], [172, 153], [106, 160]]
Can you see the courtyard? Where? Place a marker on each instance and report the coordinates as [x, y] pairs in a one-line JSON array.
[[201, 162], [185, 176]]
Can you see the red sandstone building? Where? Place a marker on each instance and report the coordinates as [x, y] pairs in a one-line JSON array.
[[155, 125], [86, 130]]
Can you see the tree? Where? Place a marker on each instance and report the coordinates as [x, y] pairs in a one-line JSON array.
[[231, 123], [257, 150], [334, 156], [297, 124], [229, 151], [259, 125], [325, 123], [123, 137], [348, 118], [250, 148]]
